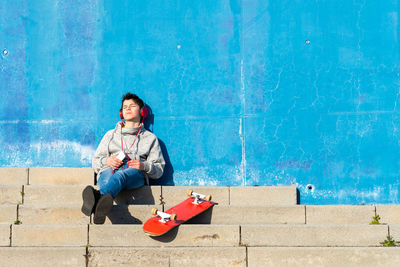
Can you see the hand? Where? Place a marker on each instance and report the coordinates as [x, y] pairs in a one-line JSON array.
[[137, 164], [114, 162]]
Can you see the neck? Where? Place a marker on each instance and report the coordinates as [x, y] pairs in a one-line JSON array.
[[132, 124]]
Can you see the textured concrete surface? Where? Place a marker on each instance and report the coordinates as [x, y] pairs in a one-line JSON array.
[[173, 195], [339, 214], [313, 235], [49, 235], [389, 213], [53, 194], [55, 214], [239, 215], [394, 230], [327, 257], [8, 213], [67, 176], [17, 176], [184, 235], [4, 234], [263, 195], [146, 195], [168, 257], [43, 257], [10, 194], [130, 214]]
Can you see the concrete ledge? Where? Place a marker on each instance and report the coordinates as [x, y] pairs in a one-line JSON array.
[[394, 230], [48, 194], [339, 214], [66, 214], [4, 235], [17, 176], [327, 257], [389, 213], [8, 213], [184, 235], [44, 257], [313, 235], [178, 257], [48, 235], [173, 195], [146, 195], [263, 195], [130, 214], [240, 215], [10, 194], [67, 176]]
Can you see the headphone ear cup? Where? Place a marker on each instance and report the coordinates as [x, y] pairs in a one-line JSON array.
[[121, 115], [144, 112]]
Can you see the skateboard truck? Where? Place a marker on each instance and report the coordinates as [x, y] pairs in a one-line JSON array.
[[198, 198], [165, 217]]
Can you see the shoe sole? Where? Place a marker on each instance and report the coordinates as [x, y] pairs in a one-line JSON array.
[[102, 208], [88, 200]]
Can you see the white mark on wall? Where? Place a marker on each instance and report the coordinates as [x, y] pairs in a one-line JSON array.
[[242, 124], [60, 147], [204, 176]]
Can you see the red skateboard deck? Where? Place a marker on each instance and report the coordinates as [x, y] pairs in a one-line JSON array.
[[184, 211]]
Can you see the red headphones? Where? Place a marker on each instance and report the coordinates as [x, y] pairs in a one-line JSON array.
[[143, 112]]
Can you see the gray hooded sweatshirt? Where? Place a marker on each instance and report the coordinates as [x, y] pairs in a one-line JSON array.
[[145, 148]]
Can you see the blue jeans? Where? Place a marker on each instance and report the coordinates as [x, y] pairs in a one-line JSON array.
[[126, 178]]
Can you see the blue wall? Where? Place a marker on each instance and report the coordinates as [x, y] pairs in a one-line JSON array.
[[242, 92]]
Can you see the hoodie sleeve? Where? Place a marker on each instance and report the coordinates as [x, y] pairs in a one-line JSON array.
[[101, 154], [155, 163]]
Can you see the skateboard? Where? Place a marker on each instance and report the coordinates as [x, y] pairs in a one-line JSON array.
[[163, 222]]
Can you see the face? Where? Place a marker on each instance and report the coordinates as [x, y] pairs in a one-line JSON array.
[[131, 110]]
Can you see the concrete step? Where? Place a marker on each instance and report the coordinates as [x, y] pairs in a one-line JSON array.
[[5, 233], [44, 257], [239, 196], [199, 256], [15, 176], [173, 195], [47, 195], [72, 194], [239, 215], [138, 214], [389, 213], [49, 235], [166, 257], [146, 195], [323, 235], [8, 213], [11, 194], [194, 235], [394, 231], [58, 176], [327, 257], [263, 195], [130, 214], [184, 236], [339, 214], [65, 214]]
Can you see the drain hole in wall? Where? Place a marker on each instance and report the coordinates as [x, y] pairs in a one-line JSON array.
[[310, 187]]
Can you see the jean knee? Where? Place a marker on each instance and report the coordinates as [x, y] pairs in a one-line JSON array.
[[104, 177]]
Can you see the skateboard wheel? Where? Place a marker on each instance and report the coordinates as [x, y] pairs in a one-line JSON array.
[[173, 217], [154, 211], [208, 197], [189, 192]]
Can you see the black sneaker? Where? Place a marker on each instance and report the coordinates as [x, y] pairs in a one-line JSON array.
[[90, 196], [102, 208]]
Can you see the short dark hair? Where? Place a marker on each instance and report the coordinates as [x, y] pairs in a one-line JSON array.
[[134, 97]]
